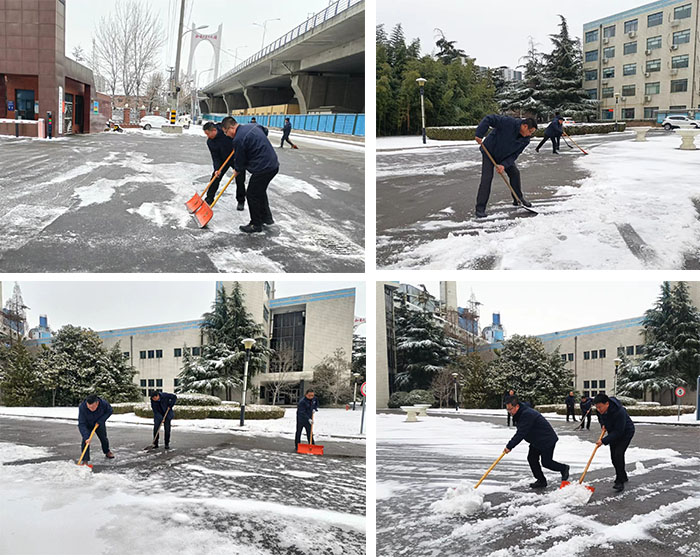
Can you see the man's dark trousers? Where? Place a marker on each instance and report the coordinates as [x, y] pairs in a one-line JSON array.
[[303, 424], [588, 426], [570, 410], [157, 419], [487, 171], [555, 143], [258, 204], [617, 454], [240, 188], [533, 458], [285, 137], [102, 435]]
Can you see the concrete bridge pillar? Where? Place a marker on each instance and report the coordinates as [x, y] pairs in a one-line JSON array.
[[345, 92]]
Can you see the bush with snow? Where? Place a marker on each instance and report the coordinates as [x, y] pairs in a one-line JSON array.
[[419, 396], [398, 399], [466, 133], [123, 407], [225, 412], [627, 400], [197, 399], [181, 412]]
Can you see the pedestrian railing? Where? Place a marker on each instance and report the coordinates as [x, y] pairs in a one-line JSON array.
[[344, 124], [314, 21]]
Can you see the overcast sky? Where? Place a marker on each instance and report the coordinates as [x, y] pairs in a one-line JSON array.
[[82, 16], [115, 305], [544, 307], [495, 32]]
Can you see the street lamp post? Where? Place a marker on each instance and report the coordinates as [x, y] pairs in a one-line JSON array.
[[248, 343], [421, 81], [454, 375], [235, 52], [617, 109], [617, 362], [264, 26], [354, 394]]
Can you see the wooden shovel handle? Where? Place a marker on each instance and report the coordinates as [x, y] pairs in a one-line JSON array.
[[94, 429], [214, 177], [572, 141], [489, 470], [585, 471], [224, 188], [501, 175]]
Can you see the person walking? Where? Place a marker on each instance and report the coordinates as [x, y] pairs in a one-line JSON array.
[[570, 406], [286, 130]]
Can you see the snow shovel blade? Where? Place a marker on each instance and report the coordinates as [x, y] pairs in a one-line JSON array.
[[85, 464], [305, 448], [564, 484], [203, 215], [194, 203], [530, 209], [589, 488]]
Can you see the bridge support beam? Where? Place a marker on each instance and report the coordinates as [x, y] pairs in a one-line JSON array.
[[342, 92], [217, 105], [267, 96]]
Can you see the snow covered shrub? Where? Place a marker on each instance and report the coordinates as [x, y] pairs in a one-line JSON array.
[[559, 408], [230, 403], [181, 412], [252, 412], [398, 399], [648, 404], [197, 399], [123, 407], [627, 401], [659, 410], [466, 133], [419, 396]]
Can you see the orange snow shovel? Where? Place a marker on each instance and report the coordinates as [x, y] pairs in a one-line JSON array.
[[197, 200], [572, 141], [489, 470], [585, 471], [310, 448], [512, 191], [80, 462], [204, 213]]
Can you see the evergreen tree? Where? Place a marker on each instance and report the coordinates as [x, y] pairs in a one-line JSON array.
[[19, 385], [359, 355], [523, 364], [526, 98], [448, 53], [332, 378], [214, 371]]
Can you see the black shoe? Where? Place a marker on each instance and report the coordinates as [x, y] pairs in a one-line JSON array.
[[269, 222], [109, 454], [480, 214], [250, 228], [565, 473], [516, 203], [555, 152], [525, 202], [619, 486], [539, 484], [241, 205], [167, 447]]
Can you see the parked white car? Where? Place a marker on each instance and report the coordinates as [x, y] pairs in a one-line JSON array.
[[673, 121], [149, 122], [568, 121], [185, 121]]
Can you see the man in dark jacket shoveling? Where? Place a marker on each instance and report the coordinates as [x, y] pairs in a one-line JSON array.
[[162, 406], [94, 410], [554, 132], [506, 141], [220, 147], [620, 430], [306, 408], [586, 404], [533, 428]]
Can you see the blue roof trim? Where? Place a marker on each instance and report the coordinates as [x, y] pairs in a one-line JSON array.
[[316, 297], [590, 330], [654, 6], [152, 329]]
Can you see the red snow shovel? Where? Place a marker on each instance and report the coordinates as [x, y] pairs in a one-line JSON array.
[[489, 470], [507, 182], [197, 200], [585, 471], [80, 462], [310, 448], [204, 213], [572, 141]]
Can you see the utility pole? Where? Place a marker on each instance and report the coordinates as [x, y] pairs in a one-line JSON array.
[[176, 88]]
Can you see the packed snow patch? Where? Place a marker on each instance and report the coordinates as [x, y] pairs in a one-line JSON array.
[[182, 518], [462, 500], [290, 184], [572, 494], [9, 452]]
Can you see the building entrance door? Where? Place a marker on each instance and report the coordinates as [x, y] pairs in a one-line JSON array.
[[79, 113], [24, 101], [68, 114]]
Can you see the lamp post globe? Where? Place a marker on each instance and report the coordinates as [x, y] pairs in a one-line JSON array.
[[421, 82]]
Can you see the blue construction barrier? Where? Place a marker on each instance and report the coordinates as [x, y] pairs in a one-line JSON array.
[[345, 124]]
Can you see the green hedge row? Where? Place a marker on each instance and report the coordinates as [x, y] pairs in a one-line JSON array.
[[417, 396], [252, 412], [649, 410], [123, 407], [197, 399], [467, 133]]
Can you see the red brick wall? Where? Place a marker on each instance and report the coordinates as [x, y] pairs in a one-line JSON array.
[[15, 82]]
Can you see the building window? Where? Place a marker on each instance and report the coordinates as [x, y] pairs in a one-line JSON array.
[[631, 25], [151, 354], [679, 85], [594, 354], [655, 20], [142, 383], [609, 32], [639, 348], [682, 12], [629, 90], [608, 92], [652, 88], [144, 392], [151, 383], [159, 382], [125, 354], [268, 289], [266, 314], [196, 351], [586, 393], [653, 43], [630, 48], [178, 352], [592, 56], [591, 75], [601, 384], [594, 384], [571, 356], [593, 393], [651, 112], [159, 353], [602, 353], [620, 351], [681, 37], [586, 384], [654, 65], [288, 335], [628, 113], [586, 355], [608, 73], [678, 62], [592, 94], [673, 108], [630, 351], [609, 52], [563, 357], [176, 382], [629, 69], [592, 36]]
